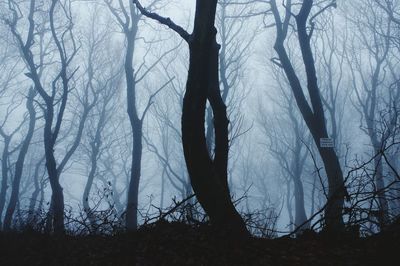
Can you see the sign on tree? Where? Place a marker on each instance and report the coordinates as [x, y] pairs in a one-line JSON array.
[[326, 143]]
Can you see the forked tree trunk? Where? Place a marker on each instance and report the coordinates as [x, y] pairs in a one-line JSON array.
[[208, 176]]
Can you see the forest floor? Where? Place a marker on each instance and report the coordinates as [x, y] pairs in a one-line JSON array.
[[179, 244]]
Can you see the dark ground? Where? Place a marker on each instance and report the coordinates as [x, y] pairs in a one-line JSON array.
[[178, 244]]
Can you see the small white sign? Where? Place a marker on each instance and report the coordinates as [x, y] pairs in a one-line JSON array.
[[326, 143]]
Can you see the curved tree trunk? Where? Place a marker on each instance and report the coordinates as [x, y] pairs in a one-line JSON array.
[[56, 211], [88, 185], [208, 177], [312, 114], [136, 127]]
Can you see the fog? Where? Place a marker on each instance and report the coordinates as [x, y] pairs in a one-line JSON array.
[[112, 115]]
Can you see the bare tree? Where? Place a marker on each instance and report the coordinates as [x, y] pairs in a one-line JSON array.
[[231, 19], [375, 86], [168, 149], [128, 19], [287, 140], [313, 113], [58, 91], [108, 82], [19, 165], [330, 45], [7, 152], [38, 190], [9, 96], [208, 176]]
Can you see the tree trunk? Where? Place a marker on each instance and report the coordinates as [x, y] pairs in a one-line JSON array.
[[57, 197], [36, 191], [316, 124], [298, 166], [208, 177], [133, 191], [301, 215], [95, 146], [162, 192], [289, 205], [4, 180], [88, 186], [19, 166], [383, 208], [395, 191], [312, 114], [336, 190], [136, 127]]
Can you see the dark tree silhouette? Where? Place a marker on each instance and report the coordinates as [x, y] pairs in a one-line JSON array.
[[208, 175], [312, 114]]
